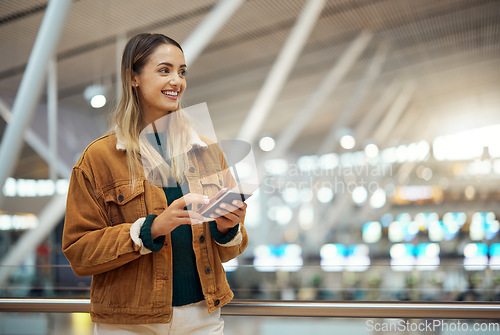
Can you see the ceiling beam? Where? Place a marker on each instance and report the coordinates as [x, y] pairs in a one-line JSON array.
[[381, 133], [320, 94], [329, 83], [36, 143], [362, 88], [280, 70], [375, 113], [391, 118], [22, 14], [343, 200], [334, 9], [204, 33]]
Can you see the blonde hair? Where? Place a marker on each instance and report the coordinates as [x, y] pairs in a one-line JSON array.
[[127, 118]]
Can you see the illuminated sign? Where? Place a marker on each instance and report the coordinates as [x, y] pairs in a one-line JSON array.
[[402, 257], [475, 256], [286, 257]]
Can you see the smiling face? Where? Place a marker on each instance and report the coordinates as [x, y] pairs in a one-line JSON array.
[[161, 82]]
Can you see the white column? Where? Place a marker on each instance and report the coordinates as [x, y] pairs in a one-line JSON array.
[[280, 70], [31, 85], [52, 117]]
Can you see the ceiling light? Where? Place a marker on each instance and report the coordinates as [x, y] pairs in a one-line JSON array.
[[359, 195], [267, 143], [324, 195], [378, 198], [347, 142], [95, 95], [98, 101], [371, 150]]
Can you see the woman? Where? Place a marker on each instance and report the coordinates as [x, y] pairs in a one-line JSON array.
[[156, 266]]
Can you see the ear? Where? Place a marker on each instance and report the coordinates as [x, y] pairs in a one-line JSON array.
[[134, 79]]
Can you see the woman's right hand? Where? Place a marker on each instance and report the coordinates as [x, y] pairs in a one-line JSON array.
[[175, 215]]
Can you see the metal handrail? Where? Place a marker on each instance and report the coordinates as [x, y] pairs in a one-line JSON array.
[[376, 309]]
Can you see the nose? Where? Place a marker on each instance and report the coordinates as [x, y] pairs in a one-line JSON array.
[[175, 81]]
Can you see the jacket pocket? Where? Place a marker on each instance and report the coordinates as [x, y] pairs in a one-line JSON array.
[[122, 287], [212, 184], [97, 287], [124, 203]]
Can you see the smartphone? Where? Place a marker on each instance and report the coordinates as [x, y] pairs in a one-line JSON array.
[[240, 192]]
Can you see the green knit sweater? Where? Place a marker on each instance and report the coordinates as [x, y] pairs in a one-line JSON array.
[[186, 281]]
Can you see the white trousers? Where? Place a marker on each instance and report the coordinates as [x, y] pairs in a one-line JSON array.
[[192, 319]]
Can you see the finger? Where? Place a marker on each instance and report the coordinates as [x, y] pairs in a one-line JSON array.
[[189, 199], [240, 212], [224, 222], [225, 214], [229, 208], [221, 212], [187, 220], [182, 213], [240, 204], [192, 215], [195, 216]]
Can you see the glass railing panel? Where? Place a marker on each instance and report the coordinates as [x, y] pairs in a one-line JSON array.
[[47, 281], [311, 281], [379, 281]]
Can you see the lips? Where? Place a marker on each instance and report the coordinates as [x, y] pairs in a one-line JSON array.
[[171, 94]]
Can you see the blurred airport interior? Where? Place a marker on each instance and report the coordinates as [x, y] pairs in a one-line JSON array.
[[375, 126]]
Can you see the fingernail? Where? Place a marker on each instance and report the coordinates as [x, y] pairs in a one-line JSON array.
[[212, 216], [235, 202], [223, 205], [218, 211]]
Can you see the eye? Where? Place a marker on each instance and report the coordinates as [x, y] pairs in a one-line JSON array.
[[164, 70], [183, 73]]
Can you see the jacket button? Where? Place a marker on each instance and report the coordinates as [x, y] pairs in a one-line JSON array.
[[192, 169], [207, 270], [217, 302], [199, 206], [220, 182], [120, 198], [202, 239]]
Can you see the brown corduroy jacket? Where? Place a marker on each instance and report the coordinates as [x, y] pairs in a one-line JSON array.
[[131, 286]]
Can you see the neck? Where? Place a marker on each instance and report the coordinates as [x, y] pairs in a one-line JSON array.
[[161, 125]]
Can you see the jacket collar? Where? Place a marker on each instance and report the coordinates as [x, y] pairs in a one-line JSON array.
[[195, 141]]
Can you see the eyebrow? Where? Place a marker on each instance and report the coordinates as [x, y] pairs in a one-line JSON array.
[[168, 64]]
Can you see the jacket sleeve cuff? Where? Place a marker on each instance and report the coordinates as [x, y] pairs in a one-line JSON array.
[[141, 239], [232, 238], [147, 239]]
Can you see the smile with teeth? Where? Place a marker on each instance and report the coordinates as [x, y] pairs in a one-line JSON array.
[[171, 94]]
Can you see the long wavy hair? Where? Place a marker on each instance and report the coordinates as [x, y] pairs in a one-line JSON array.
[[128, 120]]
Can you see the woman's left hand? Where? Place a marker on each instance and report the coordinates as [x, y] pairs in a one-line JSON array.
[[231, 215]]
